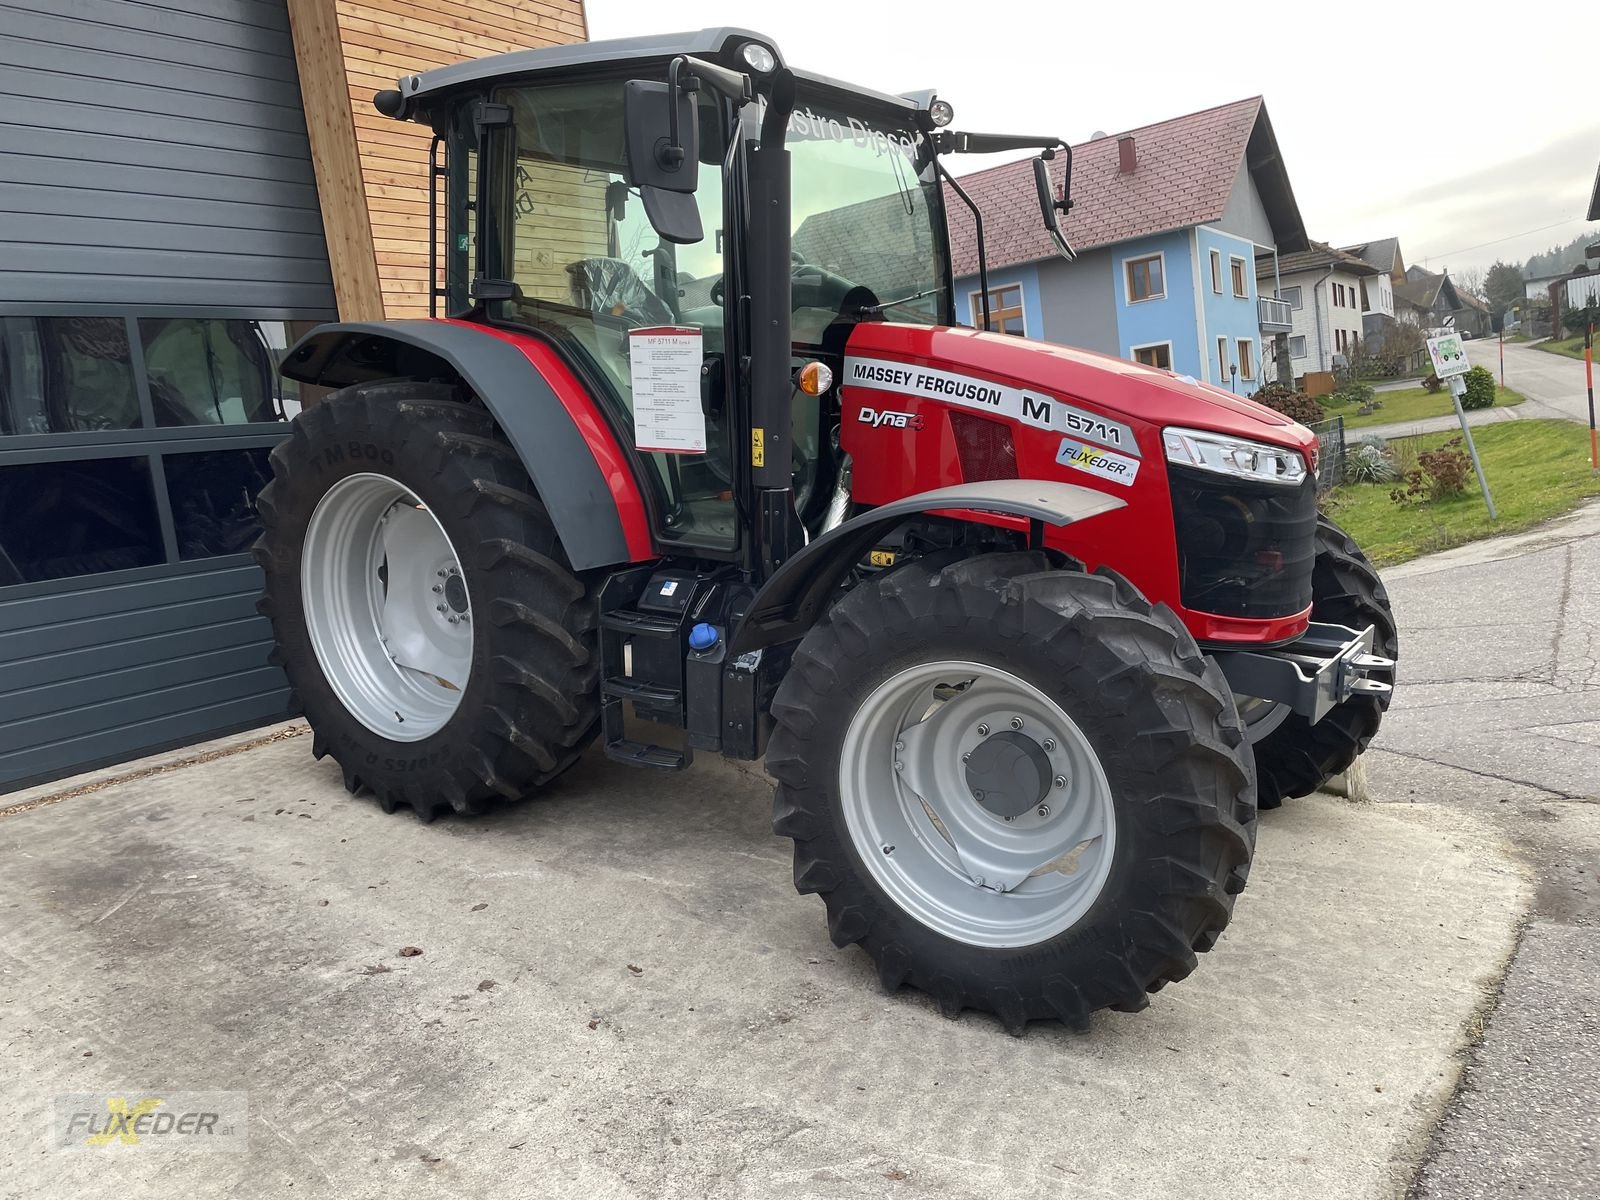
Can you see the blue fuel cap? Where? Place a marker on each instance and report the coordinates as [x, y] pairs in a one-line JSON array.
[[703, 636]]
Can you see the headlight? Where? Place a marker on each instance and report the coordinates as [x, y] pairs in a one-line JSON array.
[[757, 57], [941, 112], [1233, 456]]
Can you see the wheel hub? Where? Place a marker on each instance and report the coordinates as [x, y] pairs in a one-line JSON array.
[[1009, 774], [455, 592]]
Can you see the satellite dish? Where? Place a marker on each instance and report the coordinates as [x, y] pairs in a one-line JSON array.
[[1097, 135]]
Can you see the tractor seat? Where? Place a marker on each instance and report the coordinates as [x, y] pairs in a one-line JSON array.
[[610, 285]]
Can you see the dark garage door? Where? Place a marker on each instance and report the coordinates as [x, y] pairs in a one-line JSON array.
[[160, 247]]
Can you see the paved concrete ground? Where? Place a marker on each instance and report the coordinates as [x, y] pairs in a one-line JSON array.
[[620, 995], [1499, 715], [1553, 384]]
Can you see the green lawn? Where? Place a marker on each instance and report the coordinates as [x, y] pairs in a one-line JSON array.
[[1536, 469], [1412, 404], [1572, 347]]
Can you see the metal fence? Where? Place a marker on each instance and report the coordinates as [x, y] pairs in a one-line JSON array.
[[1330, 452]]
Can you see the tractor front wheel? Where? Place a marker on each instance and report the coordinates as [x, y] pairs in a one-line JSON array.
[[423, 610], [1020, 788]]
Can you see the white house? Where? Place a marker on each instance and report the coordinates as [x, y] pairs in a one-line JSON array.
[[1324, 288]]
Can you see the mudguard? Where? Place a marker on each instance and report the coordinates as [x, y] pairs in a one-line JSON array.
[[570, 455], [792, 600]]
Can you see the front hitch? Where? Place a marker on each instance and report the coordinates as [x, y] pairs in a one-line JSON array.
[[1313, 675]]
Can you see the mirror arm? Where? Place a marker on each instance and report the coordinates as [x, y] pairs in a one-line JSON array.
[[977, 222]]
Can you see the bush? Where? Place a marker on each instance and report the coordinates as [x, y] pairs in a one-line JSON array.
[[1438, 475], [1297, 406], [1370, 462], [1480, 388], [1349, 393]]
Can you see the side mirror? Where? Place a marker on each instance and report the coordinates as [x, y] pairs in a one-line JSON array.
[[1050, 208], [662, 134]]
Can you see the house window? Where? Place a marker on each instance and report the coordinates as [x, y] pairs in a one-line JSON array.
[[1158, 354], [1297, 347], [1247, 358], [1145, 279], [1338, 295], [1222, 360], [1005, 310], [1366, 305], [1240, 286], [66, 375], [1216, 271], [1292, 295]]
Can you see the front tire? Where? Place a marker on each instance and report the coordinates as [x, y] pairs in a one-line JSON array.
[[1104, 794], [1297, 757], [423, 609]]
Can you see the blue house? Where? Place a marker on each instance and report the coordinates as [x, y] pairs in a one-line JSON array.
[[1168, 221]]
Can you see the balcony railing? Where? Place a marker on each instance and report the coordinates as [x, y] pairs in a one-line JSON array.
[[1274, 315]]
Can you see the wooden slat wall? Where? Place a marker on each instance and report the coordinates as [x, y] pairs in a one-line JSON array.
[[381, 41]]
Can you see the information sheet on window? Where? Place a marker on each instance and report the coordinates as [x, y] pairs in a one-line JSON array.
[[664, 363]]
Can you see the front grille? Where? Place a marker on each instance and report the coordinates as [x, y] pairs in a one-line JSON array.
[[983, 447], [1244, 549]]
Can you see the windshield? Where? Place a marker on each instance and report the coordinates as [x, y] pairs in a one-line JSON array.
[[865, 200]]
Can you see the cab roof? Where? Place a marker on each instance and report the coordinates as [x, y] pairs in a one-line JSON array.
[[718, 44]]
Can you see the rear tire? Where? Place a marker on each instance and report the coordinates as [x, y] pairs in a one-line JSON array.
[[1297, 758], [527, 704], [1089, 654]]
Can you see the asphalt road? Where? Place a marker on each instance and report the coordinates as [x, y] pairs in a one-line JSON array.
[[1552, 383], [1498, 714]]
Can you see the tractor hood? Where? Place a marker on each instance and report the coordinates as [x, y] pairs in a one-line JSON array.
[[1111, 385]]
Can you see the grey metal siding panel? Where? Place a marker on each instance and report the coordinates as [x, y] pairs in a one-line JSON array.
[[103, 672], [161, 146]]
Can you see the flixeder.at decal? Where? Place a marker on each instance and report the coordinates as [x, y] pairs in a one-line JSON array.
[[1118, 468]]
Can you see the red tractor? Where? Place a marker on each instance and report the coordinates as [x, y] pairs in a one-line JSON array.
[[702, 462]]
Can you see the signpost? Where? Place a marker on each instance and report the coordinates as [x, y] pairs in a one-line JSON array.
[[1588, 379], [1450, 363]]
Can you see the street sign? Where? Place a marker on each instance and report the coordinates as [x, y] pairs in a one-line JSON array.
[[1448, 355], [1450, 322]]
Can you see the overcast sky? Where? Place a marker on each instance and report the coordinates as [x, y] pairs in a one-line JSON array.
[[1444, 129]]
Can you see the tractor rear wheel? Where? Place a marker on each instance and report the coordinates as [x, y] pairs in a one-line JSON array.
[[1021, 789], [440, 646], [1297, 758]]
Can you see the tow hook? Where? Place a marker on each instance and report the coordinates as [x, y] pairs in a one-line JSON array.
[[1312, 675]]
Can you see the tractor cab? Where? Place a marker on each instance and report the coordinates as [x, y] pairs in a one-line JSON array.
[[562, 218]]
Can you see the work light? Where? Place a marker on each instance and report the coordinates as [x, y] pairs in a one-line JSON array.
[[757, 57]]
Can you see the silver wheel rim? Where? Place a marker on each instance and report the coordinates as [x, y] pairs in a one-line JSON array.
[[1260, 717], [929, 841], [387, 607]]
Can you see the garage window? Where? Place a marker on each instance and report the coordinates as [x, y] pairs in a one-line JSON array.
[[66, 375], [214, 372], [213, 499], [60, 519], [135, 442]]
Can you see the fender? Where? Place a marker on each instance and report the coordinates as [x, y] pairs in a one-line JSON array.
[[791, 601], [569, 452]]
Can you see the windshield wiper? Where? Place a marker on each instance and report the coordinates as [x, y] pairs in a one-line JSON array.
[[880, 308]]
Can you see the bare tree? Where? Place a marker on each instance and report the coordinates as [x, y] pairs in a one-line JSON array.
[[1472, 279]]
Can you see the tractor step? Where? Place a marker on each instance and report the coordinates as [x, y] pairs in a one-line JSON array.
[[624, 749]]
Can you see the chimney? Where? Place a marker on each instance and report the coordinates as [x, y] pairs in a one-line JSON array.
[[1127, 157]]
